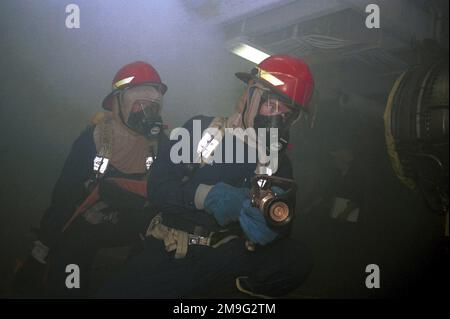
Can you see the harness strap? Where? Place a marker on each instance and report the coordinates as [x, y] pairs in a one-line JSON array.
[[93, 197], [106, 138]]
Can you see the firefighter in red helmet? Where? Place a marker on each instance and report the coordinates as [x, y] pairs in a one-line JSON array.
[[279, 93], [228, 220], [100, 197]]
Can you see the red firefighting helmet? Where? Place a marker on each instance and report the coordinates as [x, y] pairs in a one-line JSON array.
[[133, 74], [287, 76]]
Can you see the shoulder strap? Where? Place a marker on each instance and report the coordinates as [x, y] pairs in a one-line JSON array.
[[106, 136], [103, 156], [153, 151]]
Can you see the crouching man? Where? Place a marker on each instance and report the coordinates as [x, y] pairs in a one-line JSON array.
[[100, 198]]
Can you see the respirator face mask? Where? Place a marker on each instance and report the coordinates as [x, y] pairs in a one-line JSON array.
[[140, 108], [274, 113]]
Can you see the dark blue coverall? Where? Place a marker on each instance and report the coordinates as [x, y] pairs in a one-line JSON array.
[[274, 269]]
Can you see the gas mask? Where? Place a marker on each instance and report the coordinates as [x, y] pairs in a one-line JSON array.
[[140, 108], [273, 113], [275, 140], [145, 122]]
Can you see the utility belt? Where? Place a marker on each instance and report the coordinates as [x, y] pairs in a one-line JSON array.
[[179, 240]]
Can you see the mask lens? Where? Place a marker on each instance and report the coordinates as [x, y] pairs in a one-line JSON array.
[[274, 112], [149, 108], [140, 109], [272, 105]]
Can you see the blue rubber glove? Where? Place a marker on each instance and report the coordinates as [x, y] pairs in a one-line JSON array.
[[254, 225], [224, 202]]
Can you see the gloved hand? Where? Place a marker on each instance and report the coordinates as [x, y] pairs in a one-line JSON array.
[[254, 225], [225, 201]]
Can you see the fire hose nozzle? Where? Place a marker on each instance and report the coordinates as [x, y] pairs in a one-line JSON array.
[[278, 208]]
